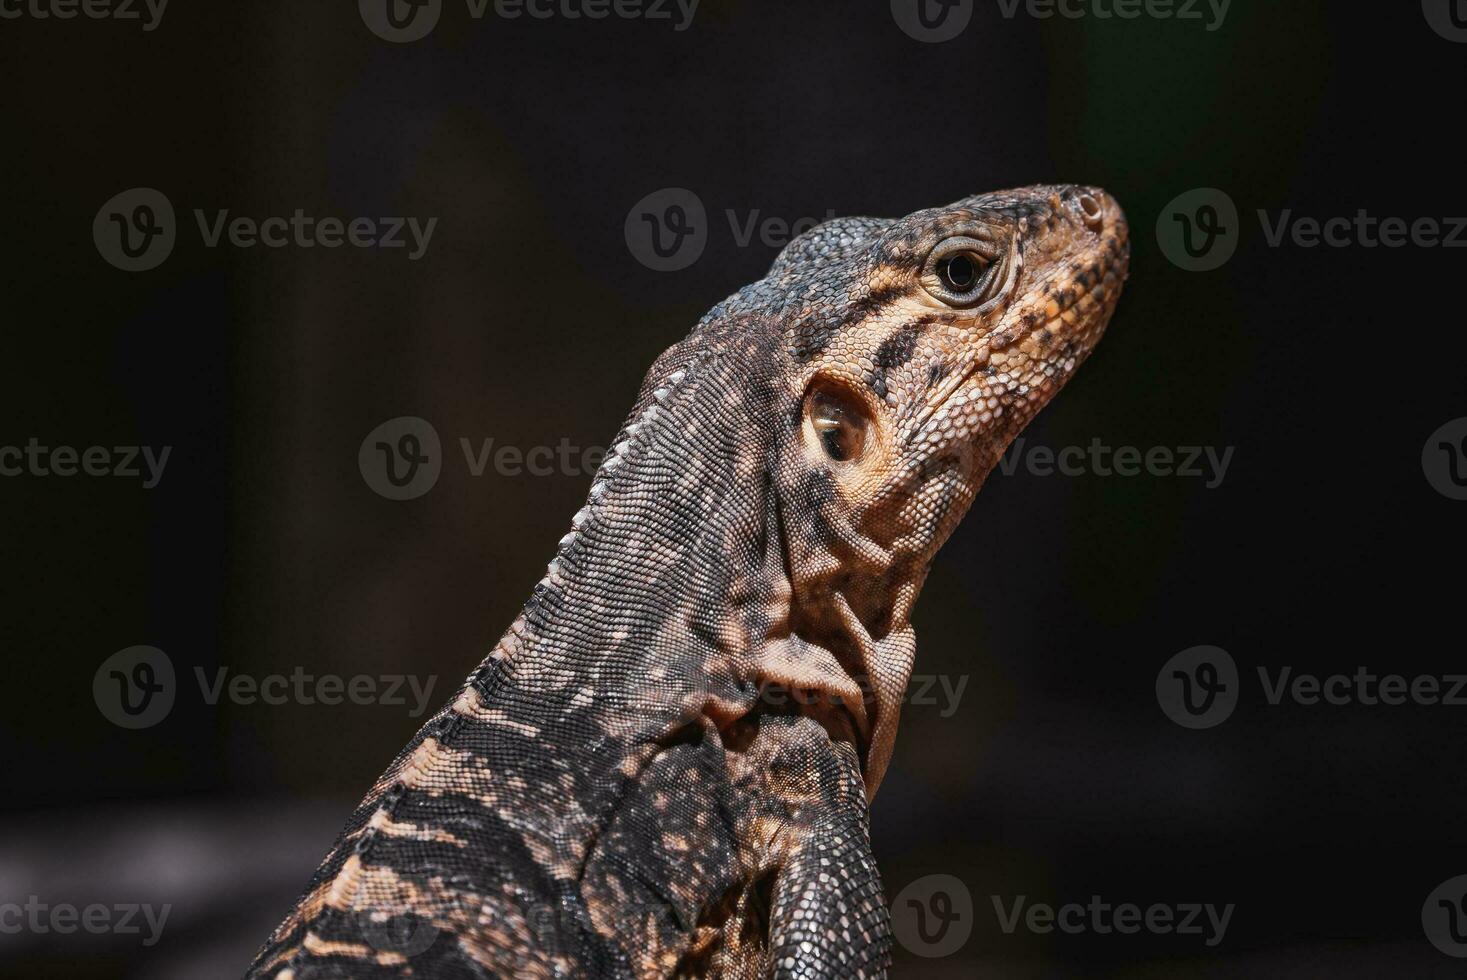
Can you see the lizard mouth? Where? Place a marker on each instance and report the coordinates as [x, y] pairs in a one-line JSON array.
[[840, 706], [813, 686], [773, 695], [827, 707]]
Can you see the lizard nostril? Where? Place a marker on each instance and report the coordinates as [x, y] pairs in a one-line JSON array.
[[1091, 210]]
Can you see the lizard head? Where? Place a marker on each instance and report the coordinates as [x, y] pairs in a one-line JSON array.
[[792, 467], [908, 355], [956, 326]]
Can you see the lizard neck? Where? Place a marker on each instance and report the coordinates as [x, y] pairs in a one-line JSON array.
[[631, 620], [693, 584]]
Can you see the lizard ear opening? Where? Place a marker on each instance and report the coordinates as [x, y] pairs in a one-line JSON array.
[[840, 426], [838, 423]]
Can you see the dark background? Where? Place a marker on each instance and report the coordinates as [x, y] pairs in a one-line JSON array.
[[529, 320]]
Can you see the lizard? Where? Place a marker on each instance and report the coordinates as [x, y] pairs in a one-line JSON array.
[[664, 767]]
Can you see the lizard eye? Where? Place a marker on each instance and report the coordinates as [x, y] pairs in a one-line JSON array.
[[964, 271], [960, 271], [839, 421]]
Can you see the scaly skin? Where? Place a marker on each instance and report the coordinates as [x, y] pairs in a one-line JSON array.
[[663, 769]]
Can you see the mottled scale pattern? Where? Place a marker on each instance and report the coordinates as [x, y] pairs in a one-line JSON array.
[[664, 767]]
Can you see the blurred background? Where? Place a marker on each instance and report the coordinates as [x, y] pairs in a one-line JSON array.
[[529, 318]]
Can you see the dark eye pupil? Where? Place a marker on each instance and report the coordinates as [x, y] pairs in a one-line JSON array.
[[961, 272]]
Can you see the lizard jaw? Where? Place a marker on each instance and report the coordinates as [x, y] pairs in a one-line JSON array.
[[792, 674], [856, 697]]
